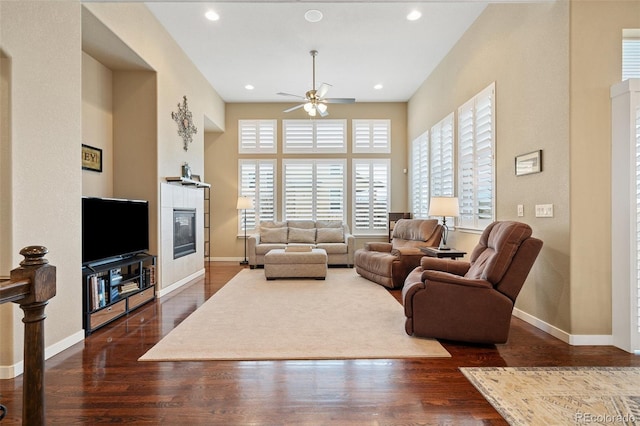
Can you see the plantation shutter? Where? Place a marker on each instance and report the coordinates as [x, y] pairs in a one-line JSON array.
[[475, 160], [372, 136], [630, 58], [257, 136], [314, 189], [371, 201], [314, 136], [420, 176], [257, 180]]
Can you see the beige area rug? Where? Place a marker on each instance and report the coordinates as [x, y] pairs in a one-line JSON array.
[[561, 395], [250, 318]]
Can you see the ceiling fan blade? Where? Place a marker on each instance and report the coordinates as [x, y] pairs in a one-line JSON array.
[[293, 108], [339, 100], [324, 88], [289, 94]]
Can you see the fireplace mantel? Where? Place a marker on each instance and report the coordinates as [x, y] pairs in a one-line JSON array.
[[188, 182]]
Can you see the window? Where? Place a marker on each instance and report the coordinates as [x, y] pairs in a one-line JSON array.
[[630, 58], [371, 195], [432, 166], [372, 136], [314, 136], [257, 136], [257, 180], [441, 158], [476, 160], [314, 189], [420, 176]]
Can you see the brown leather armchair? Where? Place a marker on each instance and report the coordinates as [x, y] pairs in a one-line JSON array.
[[388, 264], [471, 301]]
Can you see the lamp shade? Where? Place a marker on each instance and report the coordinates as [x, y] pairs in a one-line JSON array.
[[444, 206], [245, 203]]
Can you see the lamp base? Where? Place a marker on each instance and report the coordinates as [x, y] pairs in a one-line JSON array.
[[244, 262]]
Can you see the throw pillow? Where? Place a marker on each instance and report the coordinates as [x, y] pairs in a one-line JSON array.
[[298, 235], [301, 224], [329, 224], [330, 235], [272, 224], [273, 235]]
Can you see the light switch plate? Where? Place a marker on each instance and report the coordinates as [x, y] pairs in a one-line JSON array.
[[520, 210], [544, 210]]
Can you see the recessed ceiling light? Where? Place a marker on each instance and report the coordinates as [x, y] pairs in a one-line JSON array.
[[212, 15], [249, 87], [414, 15], [313, 15], [378, 86]]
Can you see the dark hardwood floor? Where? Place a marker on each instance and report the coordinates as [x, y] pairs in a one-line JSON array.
[[101, 381]]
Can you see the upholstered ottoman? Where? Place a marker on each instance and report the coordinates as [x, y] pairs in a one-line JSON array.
[[281, 263]]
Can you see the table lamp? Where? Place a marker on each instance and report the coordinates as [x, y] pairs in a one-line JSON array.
[[245, 203], [445, 207]]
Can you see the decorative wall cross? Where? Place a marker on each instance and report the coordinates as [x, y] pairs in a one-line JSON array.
[[183, 119]]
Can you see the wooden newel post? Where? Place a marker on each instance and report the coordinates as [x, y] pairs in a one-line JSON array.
[[37, 270]]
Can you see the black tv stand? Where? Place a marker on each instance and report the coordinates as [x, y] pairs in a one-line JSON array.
[[113, 288]]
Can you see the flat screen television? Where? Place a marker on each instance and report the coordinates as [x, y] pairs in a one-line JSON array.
[[113, 228]]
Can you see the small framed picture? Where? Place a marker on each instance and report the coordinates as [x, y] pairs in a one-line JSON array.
[[529, 163], [91, 158]]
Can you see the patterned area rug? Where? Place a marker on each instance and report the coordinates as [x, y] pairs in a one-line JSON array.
[[561, 395]]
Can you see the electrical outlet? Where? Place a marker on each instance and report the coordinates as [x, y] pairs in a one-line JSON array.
[[544, 210], [520, 210]]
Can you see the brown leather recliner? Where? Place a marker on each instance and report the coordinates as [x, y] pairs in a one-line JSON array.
[[388, 264], [471, 301]]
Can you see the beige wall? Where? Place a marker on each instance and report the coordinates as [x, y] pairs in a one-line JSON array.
[[221, 163], [42, 40], [97, 124], [524, 49], [596, 58]]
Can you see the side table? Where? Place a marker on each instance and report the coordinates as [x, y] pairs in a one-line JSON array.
[[436, 252]]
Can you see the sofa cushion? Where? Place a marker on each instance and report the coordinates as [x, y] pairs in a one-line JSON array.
[[329, 224], [273, 235], [262, 249], [301, 224], [299, 235], [333, 248], [272, 224], [330, 235]]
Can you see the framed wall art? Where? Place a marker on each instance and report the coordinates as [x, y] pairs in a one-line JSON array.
[[529, 163], [91, 158]]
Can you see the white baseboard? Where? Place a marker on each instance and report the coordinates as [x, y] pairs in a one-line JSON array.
[[571, 339], [11, 371], [173, 287]]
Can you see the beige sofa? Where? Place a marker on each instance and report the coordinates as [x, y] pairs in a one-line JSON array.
[[332, 236]]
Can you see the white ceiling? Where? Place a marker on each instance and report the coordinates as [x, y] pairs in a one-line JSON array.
[[360, 44]]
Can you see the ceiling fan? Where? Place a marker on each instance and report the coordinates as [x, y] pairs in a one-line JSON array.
[[314, 100]]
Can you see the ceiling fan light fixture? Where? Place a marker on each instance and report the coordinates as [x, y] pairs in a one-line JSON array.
[[321, 107], [308, 106], [312, 112]]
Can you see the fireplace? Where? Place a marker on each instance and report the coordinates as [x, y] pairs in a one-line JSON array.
[[184, 232]]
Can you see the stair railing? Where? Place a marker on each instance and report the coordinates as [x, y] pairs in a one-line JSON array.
[[32, 285]]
